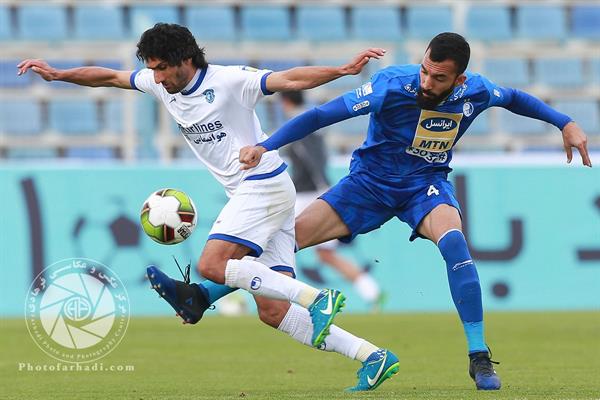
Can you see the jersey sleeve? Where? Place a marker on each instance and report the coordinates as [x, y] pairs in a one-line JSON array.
[[367, 98], [143, 80], [522, 103], [498, 95], [247, 84]]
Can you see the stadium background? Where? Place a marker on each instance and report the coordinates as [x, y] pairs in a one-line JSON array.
[[78, 162]]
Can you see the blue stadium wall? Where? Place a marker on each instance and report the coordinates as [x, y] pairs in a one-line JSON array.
[[535, 233]]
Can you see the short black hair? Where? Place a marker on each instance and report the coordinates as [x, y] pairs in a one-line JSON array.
[[450, 46], [295, 97], [172, 43]]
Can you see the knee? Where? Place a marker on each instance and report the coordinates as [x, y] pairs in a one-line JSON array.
[[212, 268], [273, 312], [453, 246]]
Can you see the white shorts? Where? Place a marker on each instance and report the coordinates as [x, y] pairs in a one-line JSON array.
[[303, 200], [260, 216]]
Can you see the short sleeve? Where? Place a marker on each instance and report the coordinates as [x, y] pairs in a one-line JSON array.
[[247, 84], [143, 80], [367, 98]]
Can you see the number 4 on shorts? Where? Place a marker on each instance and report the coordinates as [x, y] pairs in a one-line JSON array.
[[432, 190]]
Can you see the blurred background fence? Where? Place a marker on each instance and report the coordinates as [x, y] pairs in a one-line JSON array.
[[549, 48]]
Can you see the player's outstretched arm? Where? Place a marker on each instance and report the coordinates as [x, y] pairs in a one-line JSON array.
[[84, 76], [573, 136], [302, 78], [295, 129], [523, 103]]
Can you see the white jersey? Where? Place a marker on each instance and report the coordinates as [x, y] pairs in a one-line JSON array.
[[215, 114]]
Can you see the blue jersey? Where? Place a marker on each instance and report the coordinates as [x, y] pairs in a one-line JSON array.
[[404, 140]]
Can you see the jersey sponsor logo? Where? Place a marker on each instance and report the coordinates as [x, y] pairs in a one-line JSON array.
[[436, 131], [428, 155], [438, 124], [201, 128], [211, 138], [209, 95], [468, 109], [206, 133], [496, 93], [358, 106]]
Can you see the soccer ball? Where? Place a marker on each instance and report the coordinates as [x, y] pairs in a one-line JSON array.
[[168, 216]]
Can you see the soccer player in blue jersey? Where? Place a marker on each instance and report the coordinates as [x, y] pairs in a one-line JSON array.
[[418, 113]]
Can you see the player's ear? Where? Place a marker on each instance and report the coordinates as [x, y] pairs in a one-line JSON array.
[[460, 79]]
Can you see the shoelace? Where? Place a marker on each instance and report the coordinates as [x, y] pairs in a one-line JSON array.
[[484, 364], [186, 275], [490, 357]]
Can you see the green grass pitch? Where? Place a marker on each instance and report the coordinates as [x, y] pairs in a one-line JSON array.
[[542, 355]]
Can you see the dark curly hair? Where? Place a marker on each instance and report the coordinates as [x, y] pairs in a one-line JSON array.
[[452, 46], [172, 43]]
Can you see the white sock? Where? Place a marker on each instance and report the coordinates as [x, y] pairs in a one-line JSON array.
[[365, 350], [258, 279], [298, 325], [366, 287]]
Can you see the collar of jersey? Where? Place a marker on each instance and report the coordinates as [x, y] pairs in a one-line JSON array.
[[198, 78]]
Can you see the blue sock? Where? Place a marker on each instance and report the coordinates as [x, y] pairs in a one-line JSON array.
[[464, 287], [214, 291]]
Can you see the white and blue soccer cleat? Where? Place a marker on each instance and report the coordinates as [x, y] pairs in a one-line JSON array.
[[322, 312], [380, 365]]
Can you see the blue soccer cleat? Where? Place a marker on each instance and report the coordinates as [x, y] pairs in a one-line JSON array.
[[188, 300], [482, 371], [380, 365], [322, 312]]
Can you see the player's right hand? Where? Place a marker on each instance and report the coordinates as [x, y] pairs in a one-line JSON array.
[[573, 136], [250, 156], [40, 67], [356, 65]]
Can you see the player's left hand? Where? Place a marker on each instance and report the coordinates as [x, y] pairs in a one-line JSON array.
[[356, 65], [573, 136]]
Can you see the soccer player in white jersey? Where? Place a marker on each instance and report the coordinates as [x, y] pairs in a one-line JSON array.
[[253, 236]]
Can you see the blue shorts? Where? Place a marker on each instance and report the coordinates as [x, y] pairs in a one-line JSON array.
[[365, 202]]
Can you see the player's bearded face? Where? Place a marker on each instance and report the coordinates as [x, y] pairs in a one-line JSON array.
[[428, 100], [173, 77], [438, 80], [176, 79]]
